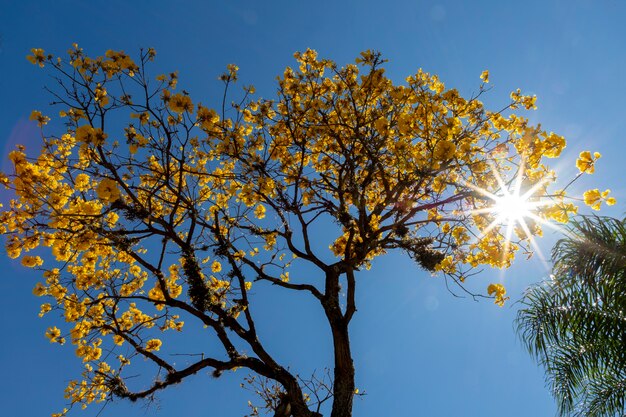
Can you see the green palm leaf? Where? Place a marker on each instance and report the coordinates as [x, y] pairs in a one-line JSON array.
[[575, 323]]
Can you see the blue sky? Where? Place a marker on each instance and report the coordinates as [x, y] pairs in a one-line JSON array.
[[418, 350]]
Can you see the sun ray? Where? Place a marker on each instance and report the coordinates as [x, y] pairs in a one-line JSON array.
[[512, 207]]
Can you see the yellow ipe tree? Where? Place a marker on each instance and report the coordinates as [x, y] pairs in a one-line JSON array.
[[152, 210]]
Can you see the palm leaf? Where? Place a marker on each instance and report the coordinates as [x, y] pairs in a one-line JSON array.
[[574, 324]]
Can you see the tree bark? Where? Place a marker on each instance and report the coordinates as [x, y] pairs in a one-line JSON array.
[[295, 396], [343, 389]]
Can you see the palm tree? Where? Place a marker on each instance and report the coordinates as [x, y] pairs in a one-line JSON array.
[[575, 323]]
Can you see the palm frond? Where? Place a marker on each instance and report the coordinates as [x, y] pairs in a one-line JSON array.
[[575, 323], [604, 396]]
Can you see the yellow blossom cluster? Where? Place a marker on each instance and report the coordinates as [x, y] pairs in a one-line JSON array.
[[499, 292], [180, 103], [39, 118], [38, 57], [153, 345], [586, 162], [107, 190], [119, 61], [594, 198], [90, 135]]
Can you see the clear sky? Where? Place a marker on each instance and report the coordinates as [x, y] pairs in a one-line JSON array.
[[418, 350]]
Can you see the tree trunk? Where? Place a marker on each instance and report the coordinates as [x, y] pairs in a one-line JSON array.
[[343, 389]]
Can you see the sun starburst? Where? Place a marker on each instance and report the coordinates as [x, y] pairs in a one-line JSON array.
[[514, 208]]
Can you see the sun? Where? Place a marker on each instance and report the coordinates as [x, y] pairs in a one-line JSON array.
[[513, 207]]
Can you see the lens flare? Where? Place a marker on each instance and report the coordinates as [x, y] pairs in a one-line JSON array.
[[514, 208]]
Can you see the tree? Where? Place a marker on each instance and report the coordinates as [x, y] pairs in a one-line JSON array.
[[178, 214], [574, 324]]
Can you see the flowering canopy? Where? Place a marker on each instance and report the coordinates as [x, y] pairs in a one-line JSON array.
[[174, 215]]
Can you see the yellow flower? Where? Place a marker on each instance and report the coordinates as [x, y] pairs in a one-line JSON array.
[[81, 182], [529, 102], [232, 71], [53, 334], [553, 146], [499, 292], [180, 102], [89, 353], [608, 200], [111, 219], [594, 198], [153, 345], [207, 118], [444, 150], [216, 267], [101, 96], [447, 265], [37, 58], [259, 211], [560, 212], [381, 125], [90, 135], [40, 289], [460, 234], [45, 308], [40, 118], [107, 190], [61, 414], [585, 162], [31, 261]]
